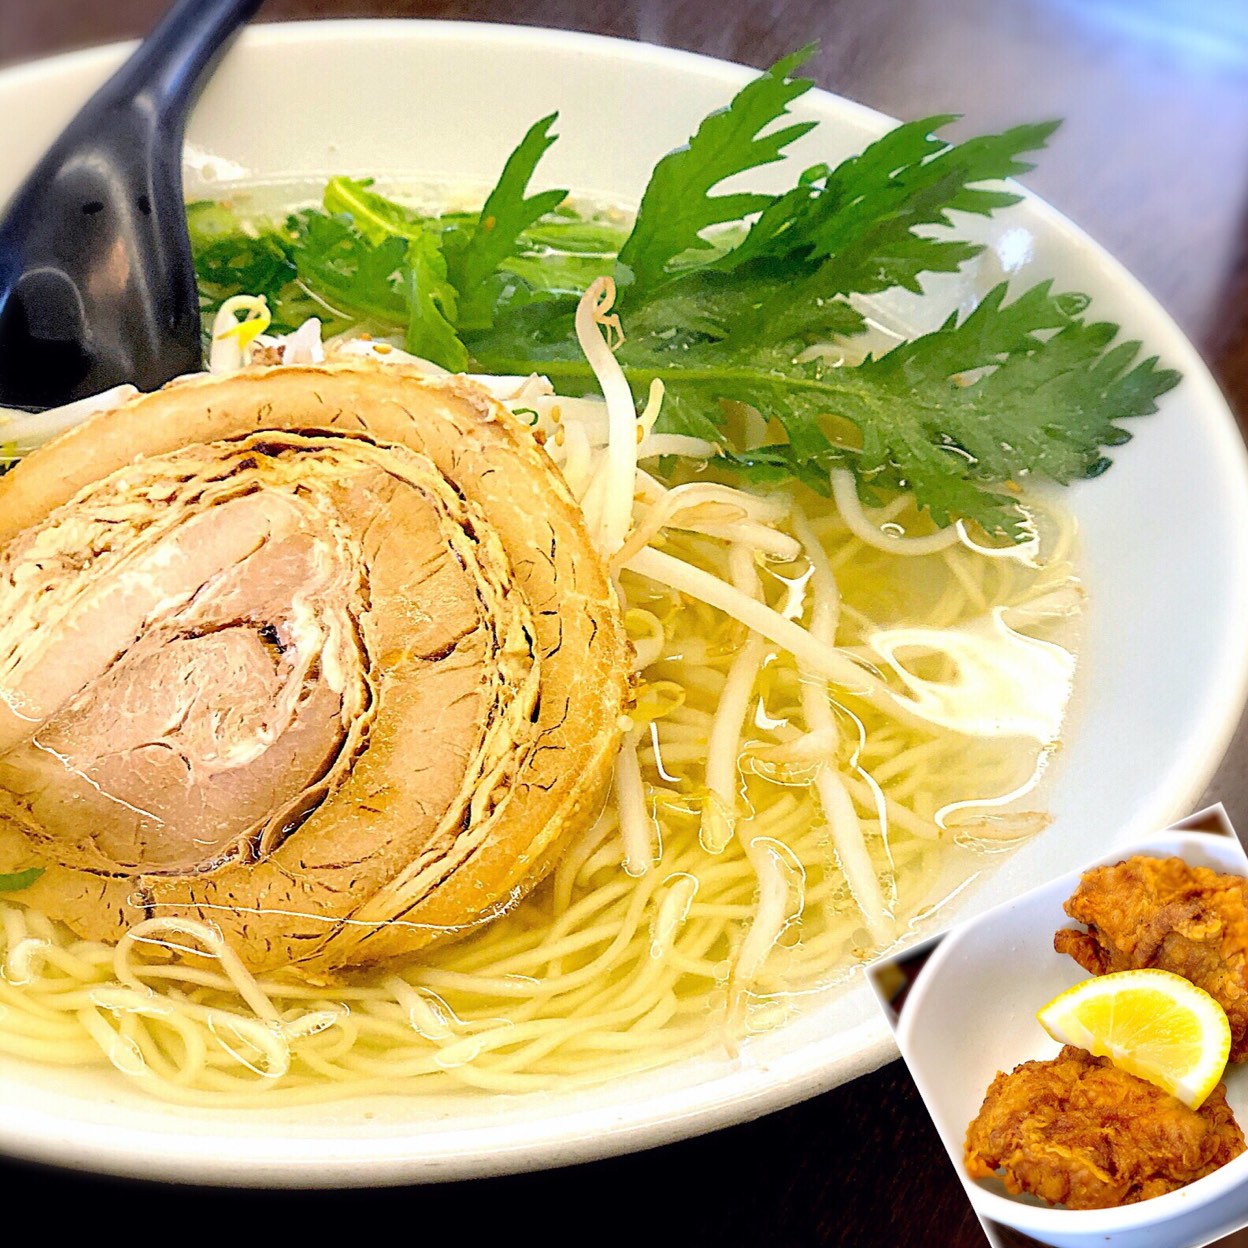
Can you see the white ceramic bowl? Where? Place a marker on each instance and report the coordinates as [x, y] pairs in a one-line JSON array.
[[972, 1013], [1165, 535]]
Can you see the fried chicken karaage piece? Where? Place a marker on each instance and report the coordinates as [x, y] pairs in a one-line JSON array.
[[1079, 1132], [1162, 913]]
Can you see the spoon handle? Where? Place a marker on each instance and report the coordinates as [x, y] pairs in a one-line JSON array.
[[170, 63], [97, 280]]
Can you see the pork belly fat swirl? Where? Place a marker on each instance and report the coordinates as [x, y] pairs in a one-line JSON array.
[[322, 655]]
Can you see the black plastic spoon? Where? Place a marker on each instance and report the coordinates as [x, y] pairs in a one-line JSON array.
[[97, 285]]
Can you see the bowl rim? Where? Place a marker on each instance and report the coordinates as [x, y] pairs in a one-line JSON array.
[[734, 1095]]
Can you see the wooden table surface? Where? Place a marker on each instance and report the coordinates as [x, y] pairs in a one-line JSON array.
[[1153, 162]]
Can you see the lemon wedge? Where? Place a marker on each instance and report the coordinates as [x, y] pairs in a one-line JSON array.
[[1153, 1024]]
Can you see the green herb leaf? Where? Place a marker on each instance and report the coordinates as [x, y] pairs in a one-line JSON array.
[[432, 305], [15, 881], [856, 231], [1043, 406], [353, 276], [852, 230], [553, 274], [1012, 391], [721, 294], [373, 215], [229, 260], [577, 237], [505, 214], [677, 206]]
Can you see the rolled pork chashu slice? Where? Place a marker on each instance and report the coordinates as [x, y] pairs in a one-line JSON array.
[[321, 655]]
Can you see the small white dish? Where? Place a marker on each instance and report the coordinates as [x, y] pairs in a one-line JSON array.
[[971, 1013], [1165, 539]]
